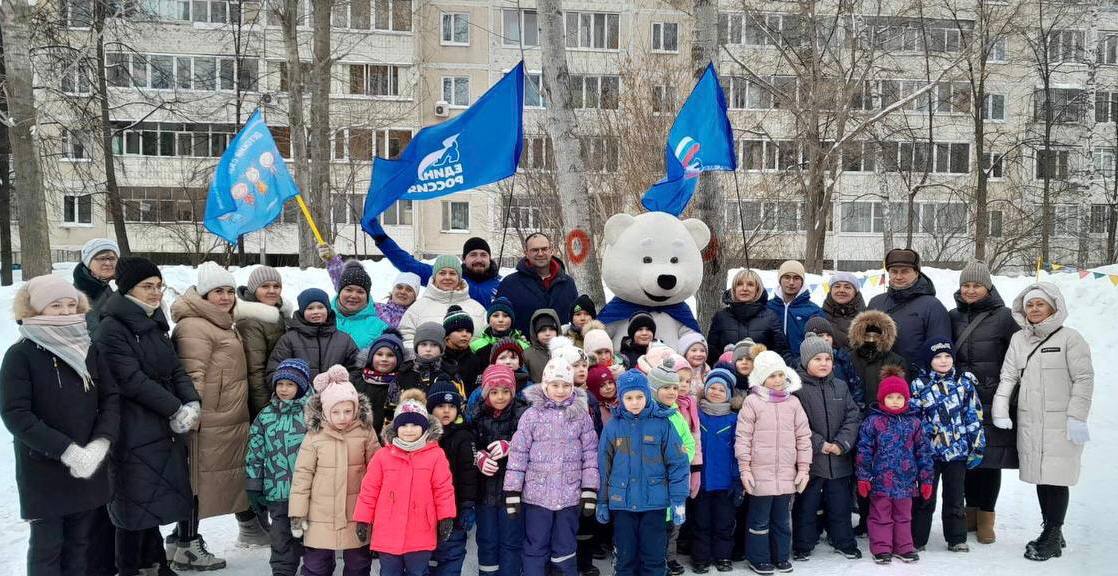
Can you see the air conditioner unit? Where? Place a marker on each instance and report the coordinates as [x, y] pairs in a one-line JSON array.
[[442, 109]]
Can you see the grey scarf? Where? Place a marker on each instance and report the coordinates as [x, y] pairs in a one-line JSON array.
[[411, 446], [64, 336], [714, 408]]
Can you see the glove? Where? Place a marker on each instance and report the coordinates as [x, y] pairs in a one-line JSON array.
[[446, 525], [80, 461], [589, 501], [1077, 432], [512, 504], [377, 231], [362, 531], [1003, 423], [325, 251], [256, 499], [863, 488], [696, 478], [679, 515], [498, 449], [467, 517], [297, 526], [801, 481], [184, 419], [98, 448], [926, 491], [747, 481], [602, 513], [485, 463]]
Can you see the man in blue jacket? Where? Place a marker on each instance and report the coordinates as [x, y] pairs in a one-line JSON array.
[[793, 306], [911, 302], [539, 282]]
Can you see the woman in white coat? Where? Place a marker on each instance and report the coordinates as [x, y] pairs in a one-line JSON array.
[[1045, 390], [446, 288]]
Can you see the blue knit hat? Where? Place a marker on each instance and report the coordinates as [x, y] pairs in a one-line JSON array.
[[720, 376], [392, 340], [296, 370], [937, 347], [306, 297], [500, 304], [633, 380], [444, 393]]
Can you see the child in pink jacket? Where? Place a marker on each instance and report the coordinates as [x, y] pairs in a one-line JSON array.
[[773, 449]]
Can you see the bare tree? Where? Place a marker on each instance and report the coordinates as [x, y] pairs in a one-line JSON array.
[[5, 183], [290, 17]]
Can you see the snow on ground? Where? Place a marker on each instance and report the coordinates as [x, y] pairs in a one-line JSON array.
[[1090, 529]]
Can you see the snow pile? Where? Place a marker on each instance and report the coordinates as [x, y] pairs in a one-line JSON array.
[[1088, 530]]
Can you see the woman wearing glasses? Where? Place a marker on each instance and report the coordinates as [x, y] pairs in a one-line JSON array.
[[93, 273]]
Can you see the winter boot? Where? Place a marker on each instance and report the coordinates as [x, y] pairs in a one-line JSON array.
[[171, 545], [986, 528], [1047, 546], [250, 534], [193, 555], [1033, 543], [972, 519]]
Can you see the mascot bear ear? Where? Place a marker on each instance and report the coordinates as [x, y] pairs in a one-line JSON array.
[[618, 224], [697, 228]]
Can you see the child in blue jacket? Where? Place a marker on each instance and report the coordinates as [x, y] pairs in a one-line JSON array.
[[721, 490], [645, 470]]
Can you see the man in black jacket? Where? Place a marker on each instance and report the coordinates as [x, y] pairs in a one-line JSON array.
[[539, 282], [911, 302]]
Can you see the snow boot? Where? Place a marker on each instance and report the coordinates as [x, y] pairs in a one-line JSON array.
[[972, 519], [1047, 546], [250, 534], [883, 558], [986, 528], [193, 555]]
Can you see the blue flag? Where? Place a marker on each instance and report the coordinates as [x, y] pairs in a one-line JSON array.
[[701, 139], [250, 184], [479, 146]]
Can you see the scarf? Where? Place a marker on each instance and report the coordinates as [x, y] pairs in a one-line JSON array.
[[67, 337], [391, 312], [770, 395], [618, 309], [375, 378], [714, 408], [147, 308], [411, 446]]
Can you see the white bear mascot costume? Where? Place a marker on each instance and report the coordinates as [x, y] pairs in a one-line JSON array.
[[652, 263]]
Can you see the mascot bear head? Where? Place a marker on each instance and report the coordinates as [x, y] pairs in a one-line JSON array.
[[654, 259]]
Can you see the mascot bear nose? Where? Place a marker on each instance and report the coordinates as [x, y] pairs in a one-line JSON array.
[[666, 281]]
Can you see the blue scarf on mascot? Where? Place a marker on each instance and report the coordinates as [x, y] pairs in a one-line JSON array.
[[619, 309]]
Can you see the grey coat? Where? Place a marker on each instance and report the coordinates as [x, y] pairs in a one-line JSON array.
[[834, 417]]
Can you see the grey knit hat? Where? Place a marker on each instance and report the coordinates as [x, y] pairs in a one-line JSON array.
[[847, 277], [261, 275], [977, 272], [663, 375], [430, 332], [813, 344], [741, 349]]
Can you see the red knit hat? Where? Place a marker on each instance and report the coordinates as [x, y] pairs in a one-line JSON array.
[[595, 377], [504, 344], [497, 376], [893, 382]]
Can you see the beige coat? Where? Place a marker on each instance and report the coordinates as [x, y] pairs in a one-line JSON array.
[[214, 358], [260, 327], [1056, 384], [328, 474]]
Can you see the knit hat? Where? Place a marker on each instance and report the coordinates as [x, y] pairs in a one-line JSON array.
[[131, 270], [457, 319], [506, 344], [596, 339], [472, 244], [558, 369], [641, 320], [564, 348], [443, 392], [847, 277], [743, 349], [792, 267], [812, 345], [768, 363], [211, 276], [500, 304], [819, 325], [447, 261], [688, 340], [430, 332], [543, 320], [595, 377], [720, 376], [937, 347], [1037, 293], [411, 412], [497, 376], [656, 354], [663, 374], [91, 249], [679, 363], [584, 304], [893, 384], [392, 340], [47, 288], [260, 275], [902, 257], [310, 295], [409, 279], [333, 386], [633, 381], [354, 274], [977, 272], [295, 370]]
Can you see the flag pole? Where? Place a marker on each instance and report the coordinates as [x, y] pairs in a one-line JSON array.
[[310, 219]]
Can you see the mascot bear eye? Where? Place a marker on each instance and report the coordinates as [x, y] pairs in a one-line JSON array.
[[675, 260], [648, 259]]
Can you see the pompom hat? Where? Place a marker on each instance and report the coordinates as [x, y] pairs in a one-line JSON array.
[[334, 387]]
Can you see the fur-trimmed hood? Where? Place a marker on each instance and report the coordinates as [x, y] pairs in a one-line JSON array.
[[248, 308], [193, 305], [21, 304], [572, 407], [873, 318], [434, 431], [316, 418]]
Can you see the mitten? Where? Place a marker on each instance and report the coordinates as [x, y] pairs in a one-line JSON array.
[[1077, 432], [467, 517], [589, 501], [747, 481], [512, 504], [256, 499], [696, 479], [498, 449], [98, 448], [79, 461], [926, 491], [297, 526], [1003, 423], [362, 530], [863, 488], [802, 478], [485, 463], [446, 525], [184, 419], [679, 515], [325, 251], [602, 513]]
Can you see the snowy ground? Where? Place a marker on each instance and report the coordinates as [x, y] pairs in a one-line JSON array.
[[1090, 528]]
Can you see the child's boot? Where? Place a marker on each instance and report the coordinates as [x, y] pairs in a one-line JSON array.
[[986, 528], [193, 555], [250, 534]]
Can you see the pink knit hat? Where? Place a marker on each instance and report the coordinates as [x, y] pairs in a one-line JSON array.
[[47, 288], [333, 386]]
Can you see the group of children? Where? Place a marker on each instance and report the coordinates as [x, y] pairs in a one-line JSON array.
[[540, 441]]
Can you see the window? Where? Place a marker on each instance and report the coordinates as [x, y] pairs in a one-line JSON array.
[[456, 216], [592, 30], [996, 52], [943, 38], [1052, 164], [759, 29], [858, 157], [171, 139], [520, 26], [538, 154], [599, 92], [1066, 223], [994, 107], [75, 145], [743, 94], [861, 217], [523, 216], [374, 79], [1068, 105], [768, 216], [398, 214], [768, 155], [392, 15], [533, 90], [952, 97], [600, 154], [456, 90], [362, 144], [75, 79], [1104, 161], [1108, 48], [1106, 106], [994, 223], [347, 208], [306, 69], [665, 37], [1065, 46], [993, 165], [77, 13], [1100, 218], [663, 99], [456, 29], [937, 218], [168, 205], [77, 209], [201, 11], [168, 72], [941, 157]]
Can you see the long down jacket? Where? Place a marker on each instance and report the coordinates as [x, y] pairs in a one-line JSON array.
[[96, 290], [457, 443], [773, 442], [260, 326], [273, 445], [894, 455], [720, 467], [834, 417], [321, 345], [431, 306], [214, 357], [553, 455], [741, 320], [920, 317], [1055, 384], [642, 461]]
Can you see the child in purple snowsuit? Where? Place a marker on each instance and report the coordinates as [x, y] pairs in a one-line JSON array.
[[552, 469], [894, 464]]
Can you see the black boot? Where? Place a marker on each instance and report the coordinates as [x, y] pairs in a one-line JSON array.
[[1047, 546]]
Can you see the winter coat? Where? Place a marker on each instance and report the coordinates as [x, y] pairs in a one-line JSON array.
[[741, 320], [482, 286], [537, 355], [841, 315], [1055, 384], [328, 473], [982, 354], [97, 291], [845, 370], [951, 415], [464, 366], [793, 318], [321, 345], [273, 446], [774, 442], [457, 442], [214, 357], [720, 468], [920, 317], [528, 293], [151, 482], [683, 429], [596, 411], [553, 455], [869, 358], [894, 455], [688, 409], [431, 306], [629, 351], [46, 407], [421, 375], [363, 326], [834, 417], [405, 494], [642, 462], [260, 326], [488, 428], [390, 312]]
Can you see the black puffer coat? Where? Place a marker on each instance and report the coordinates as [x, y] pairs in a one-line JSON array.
[[132, 352], [741, 320], [870, 357], [98, 291], [982, 354], [487, 429], [321, 345], [457, 442], [841, 315], [920, 317]]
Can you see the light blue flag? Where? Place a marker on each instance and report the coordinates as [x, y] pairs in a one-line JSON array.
[[250, 185], [700, 140], [480, 146]]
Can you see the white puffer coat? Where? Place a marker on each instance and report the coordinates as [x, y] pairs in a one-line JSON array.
[[431, 307]]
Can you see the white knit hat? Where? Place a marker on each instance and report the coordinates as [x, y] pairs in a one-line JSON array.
[[558, 369], [97, 246], [211, 275], [766, 364], [688, 340], [407, 279], [595, 340]]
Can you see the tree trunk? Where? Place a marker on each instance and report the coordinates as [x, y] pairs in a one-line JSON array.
[[112, 192], [574, 194], [6, 261], [296, 126], [319, 197], [34, 227]]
